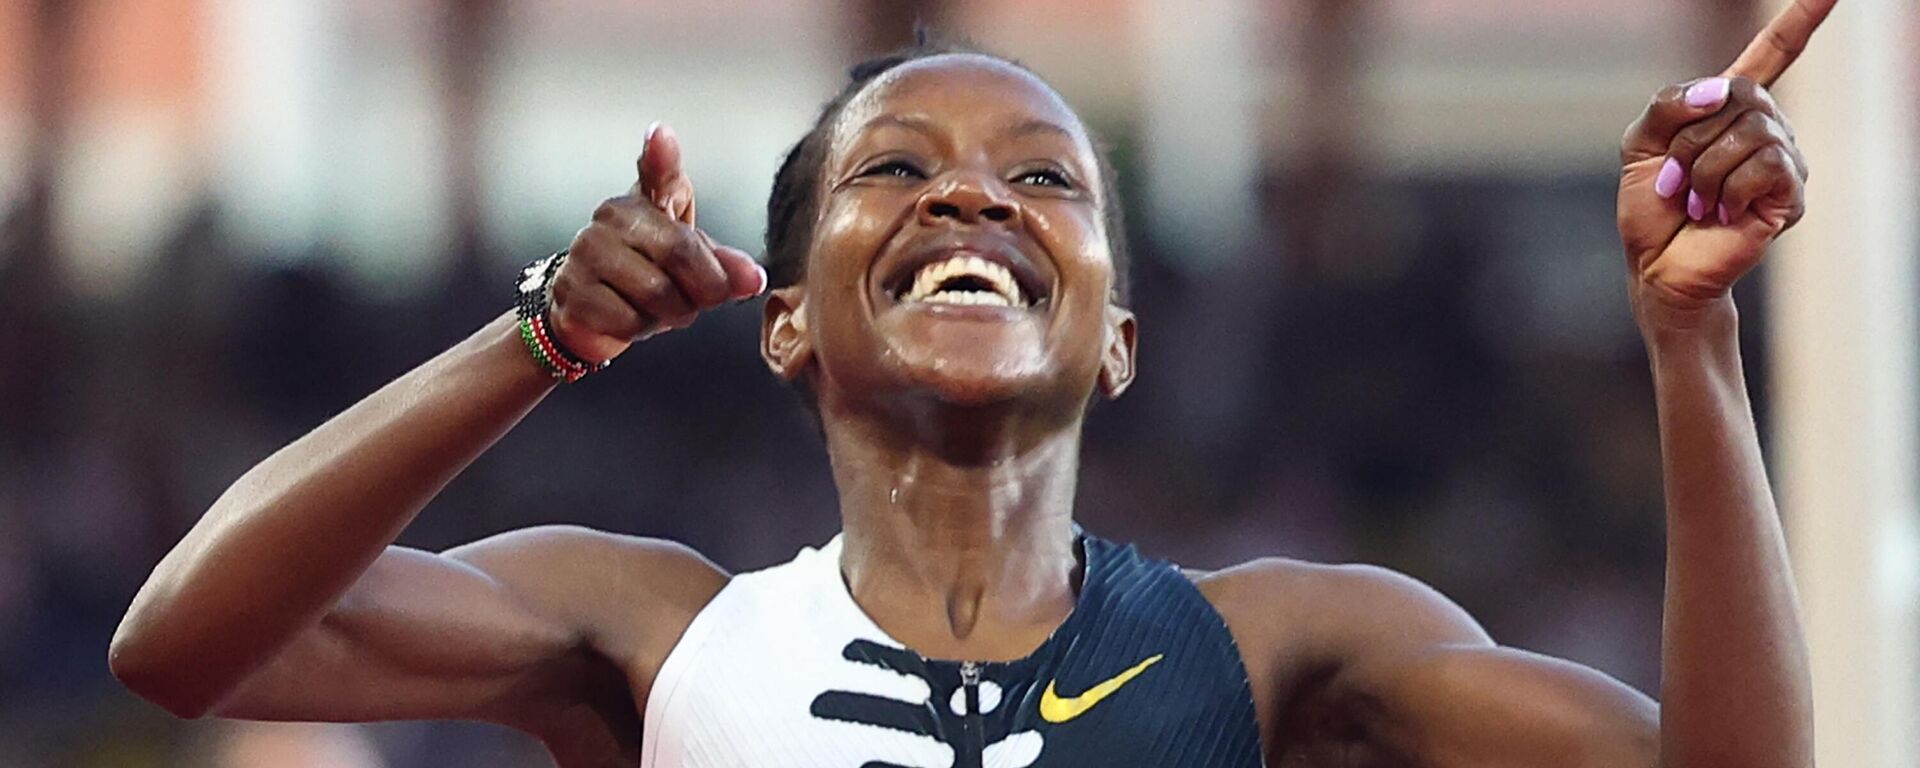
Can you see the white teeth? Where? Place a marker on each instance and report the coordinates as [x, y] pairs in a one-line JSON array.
[[970, 298], [926, 283]]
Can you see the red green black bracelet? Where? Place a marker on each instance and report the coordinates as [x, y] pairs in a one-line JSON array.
[[533, 297]]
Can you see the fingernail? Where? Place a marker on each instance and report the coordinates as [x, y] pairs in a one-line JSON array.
[[651, 127], [1671, 175], [1711, 92], [1696, 206], [1726, 216], [759, 287]]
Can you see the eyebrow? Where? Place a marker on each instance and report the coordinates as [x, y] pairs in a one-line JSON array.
[[916, 123], [1034, 125], [921, 124]]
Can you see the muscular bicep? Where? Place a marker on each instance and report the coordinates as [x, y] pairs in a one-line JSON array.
[[1492, 707], [1365, 666], [421, 635], [1441, 692], [515, 629]]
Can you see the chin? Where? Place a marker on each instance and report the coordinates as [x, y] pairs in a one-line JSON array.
[[971, 356], [965, 385], [973, 368]]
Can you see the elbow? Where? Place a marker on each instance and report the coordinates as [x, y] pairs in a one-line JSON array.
[[1637, 748], [145, 671], [1628, 737], [1741, 756]]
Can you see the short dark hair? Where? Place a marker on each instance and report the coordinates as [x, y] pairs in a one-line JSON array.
[[793, 207]]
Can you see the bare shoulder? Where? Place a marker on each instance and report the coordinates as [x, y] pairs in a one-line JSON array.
[[1329, 594], [1307, 633], [586, 566], [1358, 657], [635, 595], [1295, 620]]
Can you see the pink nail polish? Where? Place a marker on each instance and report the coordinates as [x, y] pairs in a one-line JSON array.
[[1671, 176], [1696, 206], [1726, 216], [1711, 92]]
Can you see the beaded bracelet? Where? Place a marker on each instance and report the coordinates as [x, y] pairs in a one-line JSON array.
[[533, 297]]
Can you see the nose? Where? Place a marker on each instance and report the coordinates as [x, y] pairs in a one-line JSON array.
[[967, 198]]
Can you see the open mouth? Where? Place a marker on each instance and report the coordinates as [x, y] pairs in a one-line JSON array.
[[969, 277], [966, 280]]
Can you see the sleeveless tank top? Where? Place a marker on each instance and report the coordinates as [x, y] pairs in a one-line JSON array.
[[783, 669]]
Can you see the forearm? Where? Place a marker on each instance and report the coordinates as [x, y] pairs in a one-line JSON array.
[[295, 532], [1735, 688]]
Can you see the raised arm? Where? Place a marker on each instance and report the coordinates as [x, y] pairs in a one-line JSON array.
[[281, 547], [290, 575], [1710, 178], [1735, 687]]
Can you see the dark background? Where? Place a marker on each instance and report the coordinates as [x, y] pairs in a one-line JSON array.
[[1411, 348]]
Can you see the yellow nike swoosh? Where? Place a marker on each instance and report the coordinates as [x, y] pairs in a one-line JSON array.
[[1057, 709]]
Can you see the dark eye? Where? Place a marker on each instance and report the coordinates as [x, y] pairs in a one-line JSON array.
[[900, 168], [1043, 177]]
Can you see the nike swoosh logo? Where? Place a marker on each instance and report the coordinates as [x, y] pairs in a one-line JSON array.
[[1057, 709]]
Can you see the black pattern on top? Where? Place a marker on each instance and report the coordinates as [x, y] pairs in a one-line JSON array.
[[1192, 707]]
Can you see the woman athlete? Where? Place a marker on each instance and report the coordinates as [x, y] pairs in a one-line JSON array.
[[944, 292]]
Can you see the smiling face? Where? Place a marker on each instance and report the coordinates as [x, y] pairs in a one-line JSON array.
[[960, 254]]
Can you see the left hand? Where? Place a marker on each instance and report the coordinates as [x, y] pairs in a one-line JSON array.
[[1711, 175]]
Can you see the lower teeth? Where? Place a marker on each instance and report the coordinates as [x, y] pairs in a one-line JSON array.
[[968, 298]]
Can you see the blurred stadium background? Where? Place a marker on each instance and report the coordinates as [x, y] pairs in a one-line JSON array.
[[1378, 279]]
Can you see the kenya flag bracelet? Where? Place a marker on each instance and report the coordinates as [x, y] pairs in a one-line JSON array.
[[533, 295]]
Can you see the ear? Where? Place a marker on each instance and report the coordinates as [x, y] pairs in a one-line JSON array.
[[784, 341], [1116, 363]]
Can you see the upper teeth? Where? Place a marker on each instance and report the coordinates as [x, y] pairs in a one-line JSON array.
[[926, 284]]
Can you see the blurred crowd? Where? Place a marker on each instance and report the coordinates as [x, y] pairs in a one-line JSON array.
[[1471, 408], [1432, 371]]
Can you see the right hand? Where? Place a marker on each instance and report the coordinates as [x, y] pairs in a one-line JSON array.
[[642, 267]]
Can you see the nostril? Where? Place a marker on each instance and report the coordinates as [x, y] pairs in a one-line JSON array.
[[944, 210], [996, 213]]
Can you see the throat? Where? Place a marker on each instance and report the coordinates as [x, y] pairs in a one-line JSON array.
[[967, 559], [967, 605], [963, 611]]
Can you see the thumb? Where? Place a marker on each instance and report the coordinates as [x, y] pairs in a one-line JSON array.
[[661, 179], [745, 277]]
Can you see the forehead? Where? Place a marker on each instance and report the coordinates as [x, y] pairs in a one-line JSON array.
[[960, 88]]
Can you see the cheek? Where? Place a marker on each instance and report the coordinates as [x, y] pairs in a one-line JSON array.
[[1076, 237], [851, 230]]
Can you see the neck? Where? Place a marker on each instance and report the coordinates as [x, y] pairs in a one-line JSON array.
[[959, 529]]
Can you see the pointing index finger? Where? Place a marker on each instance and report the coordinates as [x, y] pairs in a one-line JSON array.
[[662, 181], [1776, 47]]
